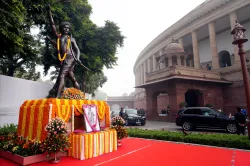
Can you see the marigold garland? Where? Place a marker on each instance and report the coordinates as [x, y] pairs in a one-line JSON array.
[[63, 112], [34, 114], [23, 120], [101, 112], [27, 122], [107, 116], [20, 119], [36, 117], [86, 146], [58, 48], [92, 144], [45, 121], [39, 123], [31, 124]]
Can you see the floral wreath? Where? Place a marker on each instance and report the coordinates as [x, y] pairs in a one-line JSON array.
[[58, 48]]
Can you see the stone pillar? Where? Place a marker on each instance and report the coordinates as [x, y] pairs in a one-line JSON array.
[[137, 77], [180, 41], [151, 104], [141, 74], [144, 72], [213, 46], [233, 17], [170, 61], [161, 52], [195, 50], [185, 61], [191, 64], [175, 98], [179, 60], [149, 66], [154, 62]]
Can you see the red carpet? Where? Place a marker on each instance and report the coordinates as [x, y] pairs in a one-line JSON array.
[[242, 158], [138, 152]]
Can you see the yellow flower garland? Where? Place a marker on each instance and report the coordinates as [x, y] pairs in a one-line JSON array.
[[39, 126], [64, 112], [101, 112], [58, 48], [31, 124]]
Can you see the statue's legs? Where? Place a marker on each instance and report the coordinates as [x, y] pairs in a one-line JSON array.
[[73, 79], [61, 85], [66, 70]]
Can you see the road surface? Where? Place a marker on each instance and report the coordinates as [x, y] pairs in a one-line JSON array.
[[155, 125]]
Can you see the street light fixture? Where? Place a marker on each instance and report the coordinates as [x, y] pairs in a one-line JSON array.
[[239, 38]]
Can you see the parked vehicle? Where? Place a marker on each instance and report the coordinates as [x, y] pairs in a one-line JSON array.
[[131, 117], [203, 117]]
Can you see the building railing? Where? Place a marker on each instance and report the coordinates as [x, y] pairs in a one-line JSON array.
[[182, 71], [121, 98]]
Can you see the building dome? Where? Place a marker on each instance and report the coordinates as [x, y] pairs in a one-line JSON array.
[[174, 48]]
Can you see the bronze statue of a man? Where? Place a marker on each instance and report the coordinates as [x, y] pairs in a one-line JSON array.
[[68, 54]]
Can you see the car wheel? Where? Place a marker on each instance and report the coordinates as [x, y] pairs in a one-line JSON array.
[[187, 126], [231, 128], [143, 124]]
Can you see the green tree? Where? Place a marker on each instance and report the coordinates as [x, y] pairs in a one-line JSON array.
[[18, 46], [29, 74], [21, 51], [98, 45]]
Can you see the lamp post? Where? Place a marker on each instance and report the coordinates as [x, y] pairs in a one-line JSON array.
[[239, 38]]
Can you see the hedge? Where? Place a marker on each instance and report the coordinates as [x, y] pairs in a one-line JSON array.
[[9, 128], [220, 140]]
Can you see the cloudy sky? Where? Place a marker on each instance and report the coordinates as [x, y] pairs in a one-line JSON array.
[[140, 21]]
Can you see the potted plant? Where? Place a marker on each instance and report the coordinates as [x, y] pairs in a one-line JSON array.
[[7, 129], [56, 140], [118, 123], [20, 150]]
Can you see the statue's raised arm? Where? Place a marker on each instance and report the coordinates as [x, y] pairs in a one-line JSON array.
[[52, 23]]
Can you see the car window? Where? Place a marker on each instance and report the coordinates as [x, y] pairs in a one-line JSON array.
[[131, 111], [207, 112], [192, 111]]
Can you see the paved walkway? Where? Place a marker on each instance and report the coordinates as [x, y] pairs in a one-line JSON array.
[[155, 125]]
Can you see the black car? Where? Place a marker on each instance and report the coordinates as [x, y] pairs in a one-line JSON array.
[[204, 117], [131, 117]]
